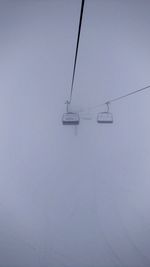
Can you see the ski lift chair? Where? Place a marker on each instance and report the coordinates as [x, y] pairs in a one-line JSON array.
[[105, 116], [70, 118]]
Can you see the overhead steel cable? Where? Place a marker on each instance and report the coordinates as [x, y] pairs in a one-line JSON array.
[[76, 52], [117, 98], [126, 95]]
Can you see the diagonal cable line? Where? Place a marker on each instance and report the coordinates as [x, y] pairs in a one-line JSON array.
[[126, 95], [117, 98], [77, 48]]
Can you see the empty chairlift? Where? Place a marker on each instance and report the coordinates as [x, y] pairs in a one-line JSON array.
[[70, 118], [105, 116]]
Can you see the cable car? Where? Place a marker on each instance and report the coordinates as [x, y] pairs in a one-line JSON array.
[[70, 118], [105, 117]]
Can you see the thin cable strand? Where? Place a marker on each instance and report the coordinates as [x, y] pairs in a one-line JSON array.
[[116, 99], [77, 48]]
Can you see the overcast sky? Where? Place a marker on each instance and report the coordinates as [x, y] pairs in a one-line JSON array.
[[66, 199]]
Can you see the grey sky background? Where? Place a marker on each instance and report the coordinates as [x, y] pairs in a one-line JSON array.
[[71, 200]]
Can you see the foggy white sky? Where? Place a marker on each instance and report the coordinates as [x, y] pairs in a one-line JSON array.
[[66, 200]]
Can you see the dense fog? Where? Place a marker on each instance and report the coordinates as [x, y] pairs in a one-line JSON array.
[[74, 197]]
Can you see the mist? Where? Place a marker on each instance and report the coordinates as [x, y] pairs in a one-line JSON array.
[[74, 197]]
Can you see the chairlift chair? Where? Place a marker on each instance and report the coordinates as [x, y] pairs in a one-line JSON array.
[[70, 118], [105, 116]]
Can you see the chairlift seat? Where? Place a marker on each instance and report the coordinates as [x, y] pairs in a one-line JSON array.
[[105, 117], [70, 118]]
